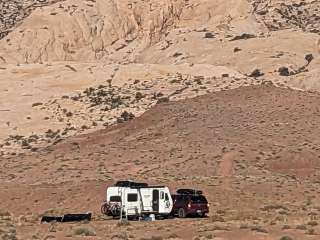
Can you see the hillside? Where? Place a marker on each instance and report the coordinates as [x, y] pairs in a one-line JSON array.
[[218, 95], [63, 48], [257, 162]]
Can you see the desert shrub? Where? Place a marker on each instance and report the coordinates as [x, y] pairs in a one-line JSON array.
[[311, 232], [163, 100], [286, 238], [274, 207], [220, 227], [10, 235], [301, 227], [244, 226], [123, 222], [217, 218], [209, 236], [4, 214], [259, 229], [152, 238], [284, 227], [126, 116], [82, 231], [312, 223], [173, 235], [120, 236]]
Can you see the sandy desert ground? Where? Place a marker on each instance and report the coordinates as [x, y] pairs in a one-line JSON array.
[[218, 95]]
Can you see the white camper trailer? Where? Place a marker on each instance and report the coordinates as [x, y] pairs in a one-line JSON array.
[[137, 199]]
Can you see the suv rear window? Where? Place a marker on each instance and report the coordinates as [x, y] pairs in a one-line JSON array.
[[198, 199]]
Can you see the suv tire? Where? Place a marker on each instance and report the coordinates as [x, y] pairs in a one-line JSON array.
[[181, 213]]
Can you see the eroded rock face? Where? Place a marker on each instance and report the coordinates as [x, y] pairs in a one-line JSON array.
[[118, 31], [94, 30], [74, 30]]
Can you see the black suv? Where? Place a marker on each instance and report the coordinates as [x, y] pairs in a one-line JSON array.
[[187, 202]]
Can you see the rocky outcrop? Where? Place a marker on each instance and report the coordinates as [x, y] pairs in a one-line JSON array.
[[13, 12], [278, 15]]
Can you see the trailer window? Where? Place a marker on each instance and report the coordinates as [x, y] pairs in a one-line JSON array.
[[167, 197], [132, 197], [161, 195], [115, 199]]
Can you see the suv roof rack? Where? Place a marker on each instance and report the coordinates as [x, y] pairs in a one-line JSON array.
[[187, 191]]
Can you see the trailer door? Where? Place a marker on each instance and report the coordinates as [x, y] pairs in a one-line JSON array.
[[155, 200], [165, 202], [132, 203]]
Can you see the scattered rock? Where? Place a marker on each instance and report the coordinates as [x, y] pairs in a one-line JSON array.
[[256, 73], [163, 100], [243, 36], [309, 58], [139, 96], [284, 71], [177, 54], [209, 35], [37, 104], [71, 68]]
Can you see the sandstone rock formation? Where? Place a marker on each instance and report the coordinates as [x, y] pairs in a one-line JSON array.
[[93, 30]]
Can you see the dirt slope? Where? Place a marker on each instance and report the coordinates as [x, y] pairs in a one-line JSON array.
[[201, 129], [44, 104], [256, 160]]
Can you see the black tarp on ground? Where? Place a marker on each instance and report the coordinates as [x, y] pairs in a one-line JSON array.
[[67, 218]]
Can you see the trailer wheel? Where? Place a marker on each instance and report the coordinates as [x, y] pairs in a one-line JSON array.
[[181, 213], [104, 209]]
